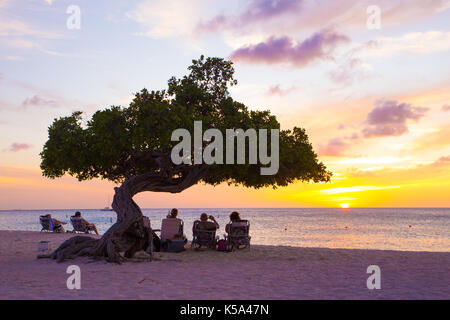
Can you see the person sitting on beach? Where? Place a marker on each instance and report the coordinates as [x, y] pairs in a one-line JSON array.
[[88, 225], [204, 224], [57, 225], [234, 217], [237, 232], [171, 226], [173, 214]]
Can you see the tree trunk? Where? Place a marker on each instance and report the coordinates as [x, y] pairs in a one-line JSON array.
[[129, 234]]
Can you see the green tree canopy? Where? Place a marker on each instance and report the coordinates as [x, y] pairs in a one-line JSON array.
[[121, 142]]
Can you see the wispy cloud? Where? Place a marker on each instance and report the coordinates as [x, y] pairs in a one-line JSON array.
[[355, 189], [38, 101], [290, 16], [353, 64], [15, 147], [257, 11], [16, 32], [277, 90], [284, 50], [423, 168], [418, 43], [38, 96], [445, 107], [436, 139], [14, 58], [334, 147], [442, 161], [159, 18], [13, 27], [373, 161], [350, 70]]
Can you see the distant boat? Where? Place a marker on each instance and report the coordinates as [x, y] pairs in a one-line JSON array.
[[108, 208]]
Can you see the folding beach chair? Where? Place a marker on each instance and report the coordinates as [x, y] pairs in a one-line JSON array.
[[171, 228], [172, 237], [238, 235], [203, 237], [150, 234], [80, 226], [47, 225]]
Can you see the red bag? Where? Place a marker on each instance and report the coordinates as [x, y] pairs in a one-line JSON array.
[[221, 245]]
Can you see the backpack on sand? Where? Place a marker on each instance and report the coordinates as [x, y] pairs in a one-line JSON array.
[[222, 245]]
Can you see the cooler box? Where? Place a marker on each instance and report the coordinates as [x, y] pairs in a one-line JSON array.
[[175, 245], [44, 246]]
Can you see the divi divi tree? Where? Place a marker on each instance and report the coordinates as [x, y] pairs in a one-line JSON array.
[[132, 147]]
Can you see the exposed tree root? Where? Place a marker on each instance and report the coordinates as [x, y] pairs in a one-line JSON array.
[[129, 234]]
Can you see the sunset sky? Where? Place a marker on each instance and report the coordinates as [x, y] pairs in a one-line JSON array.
[[375, 102]]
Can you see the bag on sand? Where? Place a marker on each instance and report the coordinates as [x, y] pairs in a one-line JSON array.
[[175, 245], [222, 245]]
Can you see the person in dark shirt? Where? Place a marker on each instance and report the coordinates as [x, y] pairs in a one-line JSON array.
[[91, 226], [234, 217], [204, 224]]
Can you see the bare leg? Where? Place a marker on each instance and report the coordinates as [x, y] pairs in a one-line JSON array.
[[94, 228]]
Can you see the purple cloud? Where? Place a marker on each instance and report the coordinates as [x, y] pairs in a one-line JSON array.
[[446, 107], [15, 147], [276, 90], [283, 50], [38, 101], [294, 15], [346, 73], [257, 11], [389, 118], [334, 147]]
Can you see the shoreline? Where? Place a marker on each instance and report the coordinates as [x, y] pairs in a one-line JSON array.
[[263, 272], [70, 234]]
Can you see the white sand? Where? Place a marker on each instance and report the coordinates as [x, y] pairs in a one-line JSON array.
[[263, 272]]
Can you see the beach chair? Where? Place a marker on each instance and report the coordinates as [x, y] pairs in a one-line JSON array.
[[172, 237], [80, 226], [148, 227], [238, 236], [205, 238], [171, 228], [47, 225]]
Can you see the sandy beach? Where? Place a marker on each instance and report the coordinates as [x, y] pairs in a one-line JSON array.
[[263, 272]]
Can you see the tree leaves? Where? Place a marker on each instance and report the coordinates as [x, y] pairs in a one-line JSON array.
[[121, 142]]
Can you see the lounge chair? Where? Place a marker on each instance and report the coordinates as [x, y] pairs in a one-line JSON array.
[[80, 226], [205, 238], [238, 235], [47, 225]]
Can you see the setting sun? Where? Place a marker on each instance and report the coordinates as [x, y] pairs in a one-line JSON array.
[[345, 205]]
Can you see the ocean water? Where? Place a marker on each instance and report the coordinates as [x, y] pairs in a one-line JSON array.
[[421, 229]]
